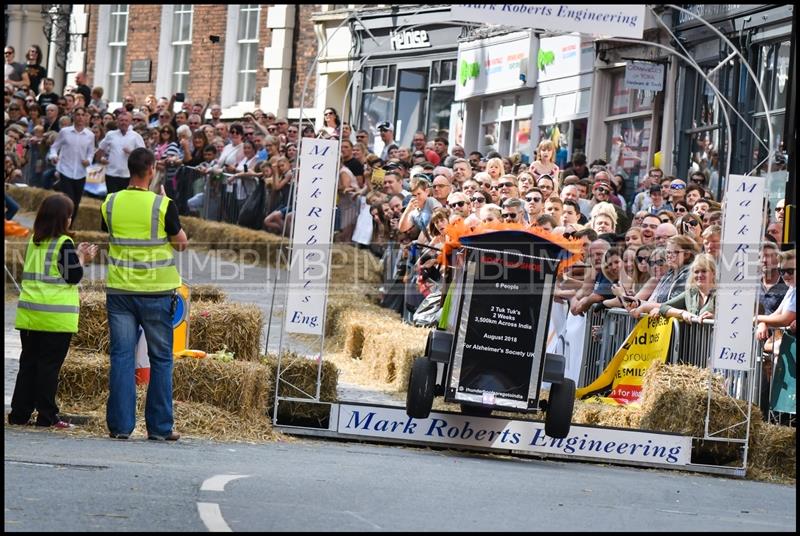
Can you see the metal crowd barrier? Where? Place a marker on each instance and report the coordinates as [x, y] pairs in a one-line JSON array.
[[219, 198], [691, 344]]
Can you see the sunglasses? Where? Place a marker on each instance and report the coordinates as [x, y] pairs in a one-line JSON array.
[[458, 204], [494, 187], [677, 186], [641, 259], [692, 223], [786, 271], [510, 216], [681, 210], [657, 262], [533, 199], [505, 185], [602, 190], [478, 200]]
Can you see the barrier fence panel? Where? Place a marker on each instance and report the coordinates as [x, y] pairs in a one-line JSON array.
[[607, 329]]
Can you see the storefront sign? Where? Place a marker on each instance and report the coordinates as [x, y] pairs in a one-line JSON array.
[[600, 20], [519, 436], [410, 39], [563, 56], [738, 273], [496, 64], [644, 75], [315, 192]]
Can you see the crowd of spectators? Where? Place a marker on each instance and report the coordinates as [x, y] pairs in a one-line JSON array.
[[653, 251]]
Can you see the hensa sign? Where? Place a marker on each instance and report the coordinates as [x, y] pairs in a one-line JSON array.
[[496, 64], [522, 436], [600, 20]]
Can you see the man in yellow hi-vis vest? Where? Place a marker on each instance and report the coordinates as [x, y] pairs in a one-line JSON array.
[[143, 230]]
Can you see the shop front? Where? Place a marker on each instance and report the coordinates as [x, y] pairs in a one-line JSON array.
[[408, 76], [496, 86], [566, 65], [763, 33]]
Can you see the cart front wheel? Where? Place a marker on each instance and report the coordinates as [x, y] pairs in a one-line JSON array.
[[559, 409], [421, 385]]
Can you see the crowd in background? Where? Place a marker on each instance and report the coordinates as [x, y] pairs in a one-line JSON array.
[[652, 251]]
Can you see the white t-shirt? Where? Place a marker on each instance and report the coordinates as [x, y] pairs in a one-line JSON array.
[[117, 147], [362, 234]]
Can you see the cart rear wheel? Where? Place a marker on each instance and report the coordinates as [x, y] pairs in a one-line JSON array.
[[421, 385], [475, 411], [559, 409]]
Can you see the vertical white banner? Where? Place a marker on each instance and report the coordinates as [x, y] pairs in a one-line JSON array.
[[315, 192], [738, 273]]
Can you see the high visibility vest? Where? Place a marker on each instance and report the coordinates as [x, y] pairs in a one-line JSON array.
[[47, 302], [140, 257]]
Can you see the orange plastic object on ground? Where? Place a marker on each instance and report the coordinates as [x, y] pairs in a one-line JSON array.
[[12, 228]]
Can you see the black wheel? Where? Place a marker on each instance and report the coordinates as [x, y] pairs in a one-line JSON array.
[[475, 411], [559, 409], [421, 385]]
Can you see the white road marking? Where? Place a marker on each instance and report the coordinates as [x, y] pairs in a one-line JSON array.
[[217, 482], [212, 517]]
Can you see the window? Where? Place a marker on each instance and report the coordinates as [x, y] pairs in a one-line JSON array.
[[772, 69], [625, 101], [506, 125], [248, 52], [117, 44], [181, 46]]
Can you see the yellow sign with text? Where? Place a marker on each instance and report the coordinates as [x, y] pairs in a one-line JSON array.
[[648, 342]]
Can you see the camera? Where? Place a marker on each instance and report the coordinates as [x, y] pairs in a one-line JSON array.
[[180, 97]]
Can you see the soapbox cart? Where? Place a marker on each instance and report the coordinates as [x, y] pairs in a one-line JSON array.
[[488, 352]]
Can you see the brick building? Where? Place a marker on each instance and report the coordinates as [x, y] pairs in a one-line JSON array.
[[243, 56]]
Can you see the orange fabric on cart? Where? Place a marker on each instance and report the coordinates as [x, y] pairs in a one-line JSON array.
[[459, 229]]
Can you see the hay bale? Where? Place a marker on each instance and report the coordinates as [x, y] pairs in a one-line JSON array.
[[93, 334], [298, 380], [206, 293], [259, 247], [390, 349], [239, 387], [29, 198], [773, 453], [83, 380], [88, 217], [299, 376], [351, 265], [674, 399], [604, 415], [235, 327]]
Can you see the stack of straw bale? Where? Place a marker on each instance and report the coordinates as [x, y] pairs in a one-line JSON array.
[[29, 198], [234, 327], [213, 326], [256, 246], [298, 377], [215, 400], [773, 453]]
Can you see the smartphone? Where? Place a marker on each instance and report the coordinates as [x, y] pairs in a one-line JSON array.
[[180, 97]]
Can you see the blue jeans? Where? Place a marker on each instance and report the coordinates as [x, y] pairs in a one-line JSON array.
[[154, 313]]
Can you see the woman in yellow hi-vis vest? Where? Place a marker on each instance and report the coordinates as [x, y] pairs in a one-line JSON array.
[[47, 313], [143, 230]]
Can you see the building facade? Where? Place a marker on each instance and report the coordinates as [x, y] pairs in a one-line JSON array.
[[243, 56]]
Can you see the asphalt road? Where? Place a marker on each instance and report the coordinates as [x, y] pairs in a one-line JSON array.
[[55, 482]]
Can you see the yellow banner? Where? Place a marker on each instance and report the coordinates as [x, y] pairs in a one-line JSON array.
[[648, 342]]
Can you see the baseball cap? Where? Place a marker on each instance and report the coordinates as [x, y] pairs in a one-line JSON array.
[[386, 125], [20, 95]]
